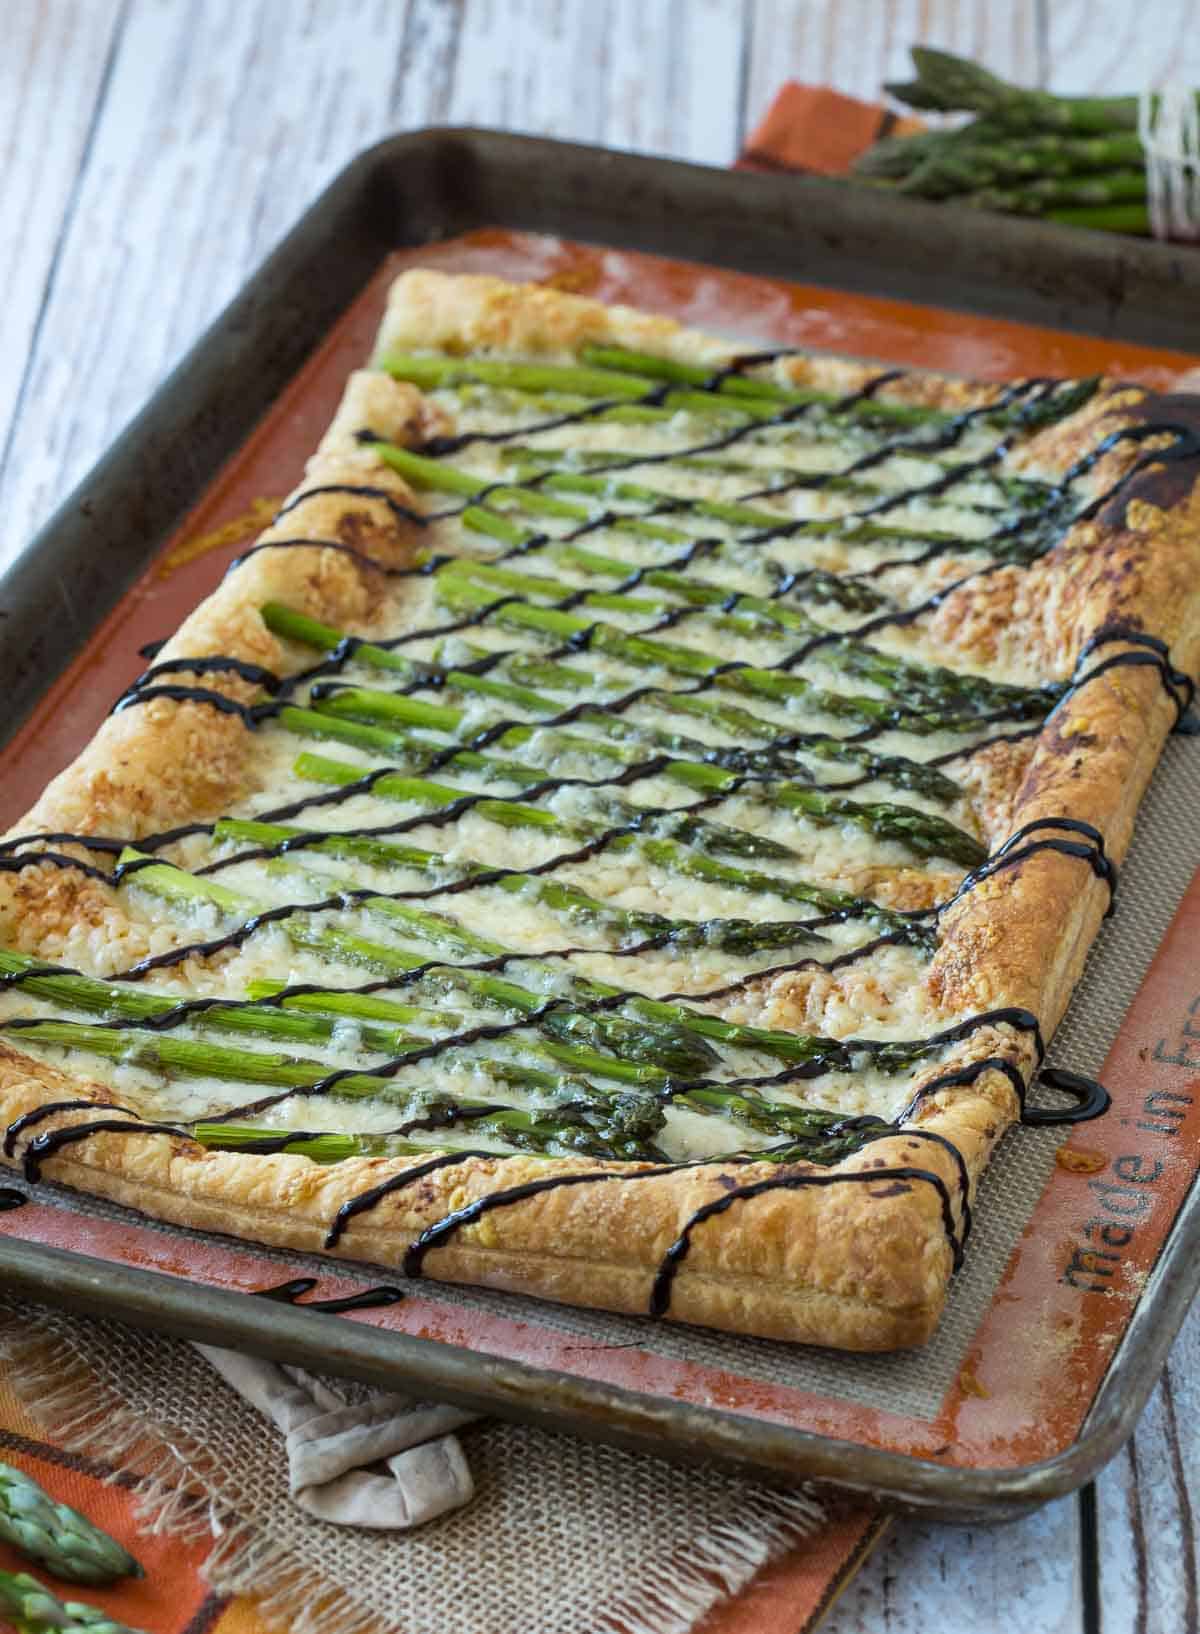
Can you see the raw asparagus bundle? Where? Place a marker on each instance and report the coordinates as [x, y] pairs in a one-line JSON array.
[[57, 1536], [1077, 160]]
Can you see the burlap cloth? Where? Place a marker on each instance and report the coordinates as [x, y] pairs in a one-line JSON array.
[[563, 1536]]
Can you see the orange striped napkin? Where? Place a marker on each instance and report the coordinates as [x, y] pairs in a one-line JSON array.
[[814, 128]]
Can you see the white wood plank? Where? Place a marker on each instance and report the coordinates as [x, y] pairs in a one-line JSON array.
[[423, 70], [223, 120], [52, 71], [664, 77], [1121, 48], [1147, 1504], [220, 123], [925, 1579], [675, 81]]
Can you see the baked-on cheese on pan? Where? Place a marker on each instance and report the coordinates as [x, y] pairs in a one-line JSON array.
[[625, 831]]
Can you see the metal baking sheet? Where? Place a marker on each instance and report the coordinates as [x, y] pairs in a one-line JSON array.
[[286, 342]]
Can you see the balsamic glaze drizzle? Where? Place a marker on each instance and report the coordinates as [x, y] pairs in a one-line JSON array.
[[1030, 402], [292, 1293], [11, 1198]]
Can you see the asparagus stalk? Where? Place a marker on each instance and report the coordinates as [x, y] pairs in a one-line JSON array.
[[947, 84], [673, 824], [587, 1129], [58, 1537], [736, 935], [908, 827], [568, 901], [1035, 198], [931, 686], [518, 814], [745, 937], [318, 1145], [743, 726], [1111, 218], [944, 697], [960, 167], [740, 611], [367, 1006], [748, 388], [893, 768], [174, 885], [565, 900], [922, 833], [602, 1125], [78, 992], [611, 372], [444, 478], [666, 1043], [32, 1609], [811, 1135], [1005, 491]]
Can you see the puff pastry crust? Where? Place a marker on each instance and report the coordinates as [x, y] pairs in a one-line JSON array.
[[862, 1265]]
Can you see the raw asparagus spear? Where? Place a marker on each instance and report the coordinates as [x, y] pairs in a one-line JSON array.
[[948, 84], [32, 1609], [1110, 218], [57, 1536], [1035, 198], [959, 167]]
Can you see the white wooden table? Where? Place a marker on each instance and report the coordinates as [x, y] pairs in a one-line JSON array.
[[152, 151]]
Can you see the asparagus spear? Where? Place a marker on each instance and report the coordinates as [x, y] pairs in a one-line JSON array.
[[1035, 198], [78, 992], [318, 1145], [541, 672], [921, 832], [944, 697], [811, 1135], [600, 1125], [57, 1536], [368, 1006], [778, 759], [1112, 218], [611, 372], [750, 388], [784, 1046], [744, 936], [1005, 491], [578, 1127], [666, 1043], [961, 167], [1032, 539], [32, 1609], [173, 884], [947, 84]]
